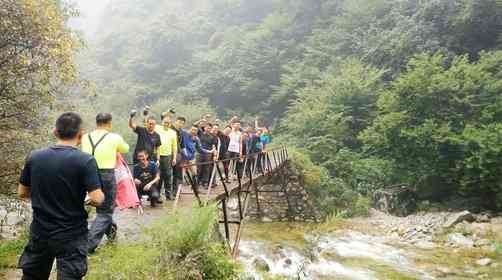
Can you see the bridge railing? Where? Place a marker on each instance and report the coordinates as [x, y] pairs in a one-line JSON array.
[[241, 169], [244, 171]]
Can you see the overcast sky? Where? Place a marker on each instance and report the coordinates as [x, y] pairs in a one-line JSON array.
[[90, 13], [91, 7]]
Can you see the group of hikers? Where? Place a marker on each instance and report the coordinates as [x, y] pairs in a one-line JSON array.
[[81, 169], [165, 152]]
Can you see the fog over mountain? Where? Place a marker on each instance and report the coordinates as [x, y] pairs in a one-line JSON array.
[[90, 14]]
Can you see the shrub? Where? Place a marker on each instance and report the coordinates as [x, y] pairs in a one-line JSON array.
[[180, 246], [331, 195], [10, 250]]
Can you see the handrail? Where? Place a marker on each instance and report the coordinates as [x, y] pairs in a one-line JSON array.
[[226, 159], [246, 171]]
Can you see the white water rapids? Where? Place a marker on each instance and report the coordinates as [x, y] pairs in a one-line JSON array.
[[327, 258]]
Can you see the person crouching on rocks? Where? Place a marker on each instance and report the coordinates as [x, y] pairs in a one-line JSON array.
[[146, 177]]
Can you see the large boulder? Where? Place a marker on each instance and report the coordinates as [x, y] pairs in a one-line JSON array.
[[261, 264], [397, 200], [460, 240], [459, 218], [484, 262]]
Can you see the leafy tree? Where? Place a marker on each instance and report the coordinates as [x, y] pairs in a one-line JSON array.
[[386, 34], [329, 115], [36, 50], [441, 119], [317, 68]]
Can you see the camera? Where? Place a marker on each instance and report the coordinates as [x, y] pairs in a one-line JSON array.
[[132, 113], [146, 110]]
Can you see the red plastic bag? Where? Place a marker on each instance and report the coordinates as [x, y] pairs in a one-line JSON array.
[[127, 196]]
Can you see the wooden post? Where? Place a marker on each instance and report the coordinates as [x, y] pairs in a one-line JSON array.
[[225, 218], [211, 180], [194, 188], [222, 180]]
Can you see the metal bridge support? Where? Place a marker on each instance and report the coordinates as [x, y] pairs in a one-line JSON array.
[[269, 162]]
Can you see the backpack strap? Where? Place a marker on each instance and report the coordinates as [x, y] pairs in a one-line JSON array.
[[94, 146]]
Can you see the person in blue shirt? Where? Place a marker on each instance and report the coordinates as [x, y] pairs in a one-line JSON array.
[[265, 139], [261, 146], [192, 147]]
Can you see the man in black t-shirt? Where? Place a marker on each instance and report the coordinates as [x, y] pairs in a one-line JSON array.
[[208, 143], [146, 176], [57, 179], [148, 139], [178, 169]]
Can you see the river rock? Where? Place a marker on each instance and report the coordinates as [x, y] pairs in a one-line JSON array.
[[458, 218], [266, 219], [444, 271], [13, 219], [425, 245], [3, 213], [460, 240], [397, 200], [482, 243], [261, 264], [483, 218], [484, 262], [496, 220]]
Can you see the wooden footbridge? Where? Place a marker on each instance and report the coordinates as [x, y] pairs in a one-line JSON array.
[[243, 182]]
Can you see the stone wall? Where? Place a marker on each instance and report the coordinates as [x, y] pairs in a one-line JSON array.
[[15, 215], [281, 197]]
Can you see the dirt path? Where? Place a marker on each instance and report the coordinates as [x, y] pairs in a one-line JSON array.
[[131, 224]]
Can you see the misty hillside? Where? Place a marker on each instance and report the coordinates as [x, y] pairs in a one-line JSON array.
[[253, 56]]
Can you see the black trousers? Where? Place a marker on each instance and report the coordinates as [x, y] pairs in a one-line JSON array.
[[153, 193], [203, 170], [239, 165], [177, 174], [40, 253], [166, 175]]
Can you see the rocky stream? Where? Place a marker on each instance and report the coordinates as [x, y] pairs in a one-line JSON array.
[[440, 245], [427, 245]]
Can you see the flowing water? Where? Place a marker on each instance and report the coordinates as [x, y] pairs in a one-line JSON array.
[[285, 251]]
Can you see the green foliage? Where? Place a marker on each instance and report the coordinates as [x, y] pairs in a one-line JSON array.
[[10, 250], [36, 64], [330, 114], [375, 92], [362, 206], [442, 120], [330, 195], [180, 246], [191, 109]]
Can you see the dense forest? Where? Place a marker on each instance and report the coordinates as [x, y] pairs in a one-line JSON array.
[[375, 92], [372, 93]]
